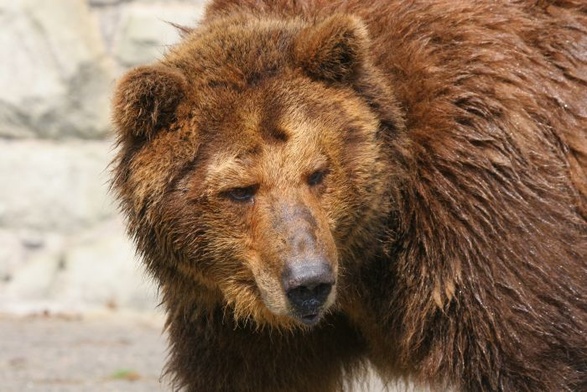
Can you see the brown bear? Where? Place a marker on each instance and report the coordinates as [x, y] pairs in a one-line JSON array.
[[320, 187]]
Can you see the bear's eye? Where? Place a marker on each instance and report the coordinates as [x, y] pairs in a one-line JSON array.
[[317, 177], [241, 194]]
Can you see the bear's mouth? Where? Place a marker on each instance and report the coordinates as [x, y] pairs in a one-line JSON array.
[[310, 319], [308, 303]]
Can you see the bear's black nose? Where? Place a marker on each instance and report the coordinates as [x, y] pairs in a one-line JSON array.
[[307, 286]]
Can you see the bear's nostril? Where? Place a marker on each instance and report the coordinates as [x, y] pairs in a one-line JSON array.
[[323, 289]]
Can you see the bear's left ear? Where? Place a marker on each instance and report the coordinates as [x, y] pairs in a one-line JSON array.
[[334, 49], [146, 99]]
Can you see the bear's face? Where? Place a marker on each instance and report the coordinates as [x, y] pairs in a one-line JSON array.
[[243, 166]]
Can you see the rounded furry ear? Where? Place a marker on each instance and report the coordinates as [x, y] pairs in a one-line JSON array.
[[145, 100], [334, 49]]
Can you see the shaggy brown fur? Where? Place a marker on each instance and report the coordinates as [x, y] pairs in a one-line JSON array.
[[431, 155]]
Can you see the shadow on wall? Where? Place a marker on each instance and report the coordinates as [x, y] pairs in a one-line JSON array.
[[62, 245]]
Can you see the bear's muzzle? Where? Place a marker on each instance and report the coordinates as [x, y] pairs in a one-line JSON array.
[[307, 287]]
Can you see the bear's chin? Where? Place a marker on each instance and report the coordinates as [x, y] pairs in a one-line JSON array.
[[265, 317], [306, 321], [290, 318]]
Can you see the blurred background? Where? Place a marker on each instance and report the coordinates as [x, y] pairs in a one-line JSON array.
[[63, 248]]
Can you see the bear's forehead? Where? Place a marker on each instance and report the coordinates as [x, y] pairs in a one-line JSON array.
[[280, 109], [260, 123], [234, 53], [256, 157], [271, 134], [268, 165], [285, 119]]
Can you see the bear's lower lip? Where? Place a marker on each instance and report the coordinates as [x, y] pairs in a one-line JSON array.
[[310, 319]]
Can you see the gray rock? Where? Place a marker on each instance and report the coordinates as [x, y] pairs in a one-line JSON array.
[[12, 254], [95, 270], [100, 3], [33, 275], [145, 30], [58, 80], [100, 269], [48, 186]]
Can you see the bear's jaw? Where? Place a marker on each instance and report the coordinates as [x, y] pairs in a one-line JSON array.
[[253, 306]]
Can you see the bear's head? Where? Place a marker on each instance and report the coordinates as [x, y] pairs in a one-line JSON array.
[[250, 165]]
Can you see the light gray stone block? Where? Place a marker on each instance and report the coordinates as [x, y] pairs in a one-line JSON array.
[[100, 269], [54, 186], [55, 77], [145, 31]]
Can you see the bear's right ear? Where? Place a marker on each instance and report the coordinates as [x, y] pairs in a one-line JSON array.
[[146, 99], [334, 49]]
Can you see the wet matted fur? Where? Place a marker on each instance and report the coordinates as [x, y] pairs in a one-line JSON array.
[[432, 153]]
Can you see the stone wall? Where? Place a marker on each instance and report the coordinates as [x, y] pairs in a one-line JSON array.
[[62, 244]]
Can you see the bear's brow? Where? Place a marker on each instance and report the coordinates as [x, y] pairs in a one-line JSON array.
[[270, 127], [275, 134], [231, 168]]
